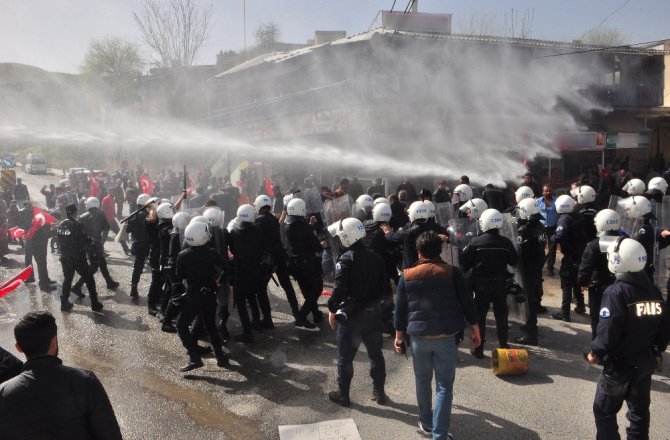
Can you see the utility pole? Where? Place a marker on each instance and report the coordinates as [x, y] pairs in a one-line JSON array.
[[244, 26], [415, 6]]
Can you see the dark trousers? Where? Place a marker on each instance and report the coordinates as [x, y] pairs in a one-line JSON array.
[[38, 251], [156, 288], [310, 280], [141, 252], [606, 406], [281, 270], [595, 298], [489, 291], [204, 307], [532, 274], [569, 285], [247, 284], [551, 254], [98, 260], [84, 271], [366, 327]]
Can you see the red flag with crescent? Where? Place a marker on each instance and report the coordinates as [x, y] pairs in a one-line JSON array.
[[10, 285], [147, 184]]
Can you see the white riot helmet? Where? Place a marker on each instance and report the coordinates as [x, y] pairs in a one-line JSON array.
[[180, 220], [607, 220], [214, 217], [246, 213], [658, 184], [165, 211], [418, 211], [381, 213], [383, 200], [524, 192], [92, 202], [350, 230], [565, 204], [636, 206], [626, 255], [634, 187], [297, 208], [199, 219], [142, 199], [196, 234], [464, 192], [526, 208], [586, 194], [431, 208], [490, 219], [474, 207], [261, 201], [287, 198], [365, 201]]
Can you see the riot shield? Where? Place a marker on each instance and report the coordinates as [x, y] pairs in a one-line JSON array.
[[461, 231], [312, 198], [443, 213], [335, 210], [517, 311], [614, 203], [661, 256]]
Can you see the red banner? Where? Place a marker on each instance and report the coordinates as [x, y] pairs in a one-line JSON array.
[[8, 286], [147, 184], [95, 186], [15, 233], [191, 186], [268, 186], [48, 218]]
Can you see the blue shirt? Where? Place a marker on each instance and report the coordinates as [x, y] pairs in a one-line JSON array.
[[549, 214]]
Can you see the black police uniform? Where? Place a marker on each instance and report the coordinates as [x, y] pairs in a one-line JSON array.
[[272, 245], [588, 212], [572, 236], [72, 242], [139, 247], [645, 236], [633, 329], [95, 222], [593, 272], [531, 233], [160, 278], [175, 290], [247, 249], [408, 235], [360, 284], [305, 266], [200, 267], [488, 255]]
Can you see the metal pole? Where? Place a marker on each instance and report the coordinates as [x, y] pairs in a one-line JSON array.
[[244, 21]]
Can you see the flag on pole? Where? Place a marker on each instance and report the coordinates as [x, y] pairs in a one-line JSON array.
[[191, 186], [95, 186], [268, 185], [147, 184], [8, 286]]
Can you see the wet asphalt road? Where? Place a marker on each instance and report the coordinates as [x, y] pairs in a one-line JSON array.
[[284, 377]]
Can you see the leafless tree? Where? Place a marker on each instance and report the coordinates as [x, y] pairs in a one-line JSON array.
[[112, 56], [477, 23], [519, 28], [601, 36], [175, 30], [267, 35]]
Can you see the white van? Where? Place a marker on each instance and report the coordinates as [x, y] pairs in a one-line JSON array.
[[35, 163]]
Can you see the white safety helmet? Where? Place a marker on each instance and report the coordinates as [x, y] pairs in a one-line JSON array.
[[232, 224], [287, 198], [464, 192], [634, 187], [636, 206], [524, 192], [261, 201], [180, 220], [92, 202], [214, 217], [246, 213], [418, 211], [142, 199], [526, 208], [490, 219], [297, 208], [626, 255], [565, 204], [196, 234], [658, 184], [350, 230], [474, 207], [607, 220], [381, 213], [586, 194], [365, 201], [199, 219], [165, 211], [383, 200], [431, 208]]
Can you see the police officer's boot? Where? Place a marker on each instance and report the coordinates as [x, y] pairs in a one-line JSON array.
[[530, 338], [76, 289], [133, 291], [478, 352], [378, 394], [341, 397], [194, 362]]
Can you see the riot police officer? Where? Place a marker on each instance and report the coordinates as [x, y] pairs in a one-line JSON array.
[[488, 255], [219, 242], [164, 213], [95, 222], [137, 228], [632, 333], [639, 209], [360, 284], [72, 242], [305, 261], [531, 234], [571, 235], [593, 271], [169, 306], [199, 265], [586, 208], [462, 193]]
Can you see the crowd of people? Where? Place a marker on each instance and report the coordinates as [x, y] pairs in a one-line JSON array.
[[417, 264]]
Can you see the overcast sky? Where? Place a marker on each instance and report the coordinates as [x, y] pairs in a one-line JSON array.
[[54, 34]]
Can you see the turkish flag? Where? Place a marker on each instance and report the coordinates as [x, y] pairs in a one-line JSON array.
[[15, 233], [191, 186], [95, 186], [268, 186], [48, 218], [147, 184], [10, 285]]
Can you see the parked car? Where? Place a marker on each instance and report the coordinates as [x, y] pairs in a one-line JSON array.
[[35, 163]]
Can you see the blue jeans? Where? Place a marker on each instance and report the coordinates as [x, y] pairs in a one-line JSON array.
[[438, 355]]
